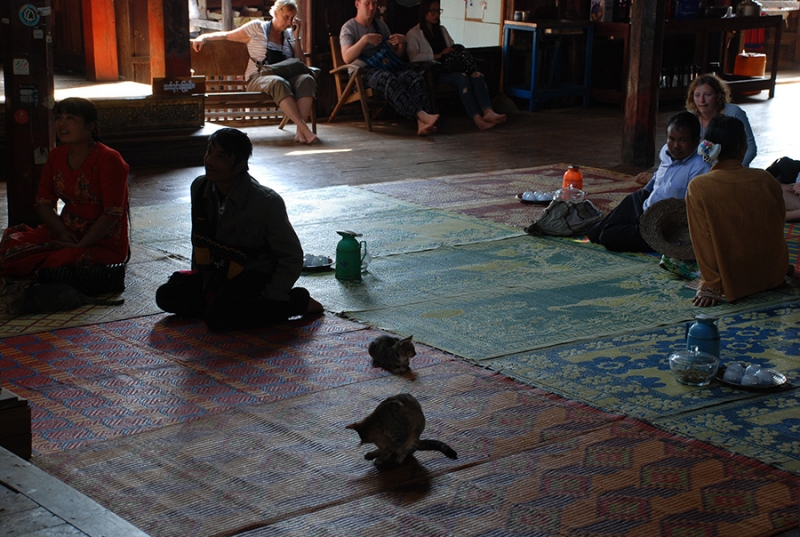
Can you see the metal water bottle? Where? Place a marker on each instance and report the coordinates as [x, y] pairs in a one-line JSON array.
[[349, 256]]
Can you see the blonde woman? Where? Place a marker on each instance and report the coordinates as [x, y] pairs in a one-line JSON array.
[[271, 42]]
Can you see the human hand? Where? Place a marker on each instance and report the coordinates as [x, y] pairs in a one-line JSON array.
[[397, 39], [296, 25], [796, 188], [197, 43], [448, 50], [373, 39]]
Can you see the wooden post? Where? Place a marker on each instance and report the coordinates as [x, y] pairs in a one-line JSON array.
[[27, 45], [100, 40], [642, 87], [176, 39], [155, 25]]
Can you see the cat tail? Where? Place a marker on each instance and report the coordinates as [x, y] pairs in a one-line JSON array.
[[436, 445]]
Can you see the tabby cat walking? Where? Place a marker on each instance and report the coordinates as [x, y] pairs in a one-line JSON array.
[[395, 427]]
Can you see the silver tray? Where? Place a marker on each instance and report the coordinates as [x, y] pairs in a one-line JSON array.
[[781, 383]]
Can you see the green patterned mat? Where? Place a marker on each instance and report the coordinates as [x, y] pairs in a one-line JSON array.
[[489, 299]]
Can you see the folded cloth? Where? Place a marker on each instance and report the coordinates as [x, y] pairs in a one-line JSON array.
[[91, 281]]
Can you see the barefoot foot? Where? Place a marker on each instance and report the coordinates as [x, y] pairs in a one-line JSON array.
[[426, 123], [482, 123], [493, 117]]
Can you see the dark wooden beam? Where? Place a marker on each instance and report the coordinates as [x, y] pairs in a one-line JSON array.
[[28, 76], [642, 86], [176, 39]]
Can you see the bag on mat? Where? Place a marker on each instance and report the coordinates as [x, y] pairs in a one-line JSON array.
[[564, 218], [92, 280], [785, 170]]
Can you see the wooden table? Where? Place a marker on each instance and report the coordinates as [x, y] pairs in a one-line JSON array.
[[702, 31], [532, 90]]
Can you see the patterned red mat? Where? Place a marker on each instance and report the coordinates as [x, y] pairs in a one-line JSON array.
[[530, 463], [125, 377], [493, 195]]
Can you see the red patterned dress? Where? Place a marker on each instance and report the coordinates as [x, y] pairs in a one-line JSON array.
[[99, 186]]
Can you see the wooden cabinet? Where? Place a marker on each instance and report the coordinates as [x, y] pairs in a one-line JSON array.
[[691, 42]]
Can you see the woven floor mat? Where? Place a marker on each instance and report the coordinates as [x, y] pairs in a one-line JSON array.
[[490, 299], [530, 463], [492, 195], [121, 378], [630, 374], [147, 269]]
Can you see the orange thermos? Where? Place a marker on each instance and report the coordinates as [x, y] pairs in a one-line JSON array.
[[574, 177]]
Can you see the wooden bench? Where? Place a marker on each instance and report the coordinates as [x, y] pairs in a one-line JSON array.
[[227, 100]]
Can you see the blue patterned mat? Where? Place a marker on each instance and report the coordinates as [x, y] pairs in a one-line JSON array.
[[630, 374]]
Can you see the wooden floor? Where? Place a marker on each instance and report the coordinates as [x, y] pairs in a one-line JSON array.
[[32, 503]]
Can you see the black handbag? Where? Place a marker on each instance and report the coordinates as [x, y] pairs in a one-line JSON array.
[[91, 280], [458, 61]]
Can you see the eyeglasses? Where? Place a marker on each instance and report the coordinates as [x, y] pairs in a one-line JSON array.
[[435, 11]]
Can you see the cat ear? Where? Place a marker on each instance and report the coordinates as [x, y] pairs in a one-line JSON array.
[[408, 338], [351, 426]]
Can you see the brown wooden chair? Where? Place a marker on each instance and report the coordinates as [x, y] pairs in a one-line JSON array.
[[350, 86], [227, 100]]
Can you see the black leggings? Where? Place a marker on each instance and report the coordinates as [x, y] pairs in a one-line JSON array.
[[236, 304]]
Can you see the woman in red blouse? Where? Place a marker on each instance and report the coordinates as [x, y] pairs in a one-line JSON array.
[[91, 179]]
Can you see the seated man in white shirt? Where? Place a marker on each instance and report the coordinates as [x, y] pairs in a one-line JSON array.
[[680, 163]]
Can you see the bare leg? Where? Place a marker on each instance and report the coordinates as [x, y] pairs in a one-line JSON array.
[[304, 134], [304, 106], [426, 123]]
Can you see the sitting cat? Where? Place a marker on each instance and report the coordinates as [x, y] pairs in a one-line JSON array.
[[395, 427], [392, 353], [51, 297]]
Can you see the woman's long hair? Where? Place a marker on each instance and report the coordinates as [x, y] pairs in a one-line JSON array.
[[432, 32]]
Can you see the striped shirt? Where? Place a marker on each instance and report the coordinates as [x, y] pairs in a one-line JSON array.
[[258, 31]]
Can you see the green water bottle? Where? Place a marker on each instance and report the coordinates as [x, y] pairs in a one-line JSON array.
[[349, 256]]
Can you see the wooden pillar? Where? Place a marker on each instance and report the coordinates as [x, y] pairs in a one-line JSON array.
[[642, 87], [176, 39], [100, 40], [27, 45], [155, 25]]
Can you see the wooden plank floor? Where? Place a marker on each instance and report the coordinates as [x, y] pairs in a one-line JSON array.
[[349, 154]]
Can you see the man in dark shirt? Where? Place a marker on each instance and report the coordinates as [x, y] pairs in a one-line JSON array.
[[246, 255]]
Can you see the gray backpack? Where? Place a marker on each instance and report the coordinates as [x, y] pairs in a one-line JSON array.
[[564, 218]]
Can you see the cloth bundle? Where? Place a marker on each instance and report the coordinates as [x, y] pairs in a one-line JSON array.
[[564, 218], [384, 58]]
